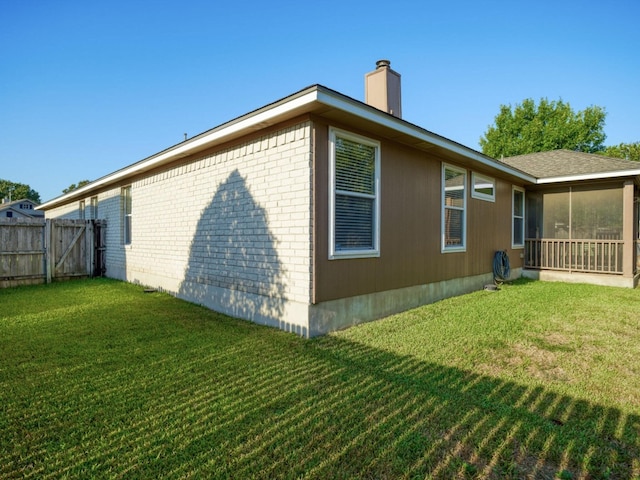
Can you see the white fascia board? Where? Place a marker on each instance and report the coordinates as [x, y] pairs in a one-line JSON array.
[[363, 111], [264, 115], [589, 176], [216, 135]]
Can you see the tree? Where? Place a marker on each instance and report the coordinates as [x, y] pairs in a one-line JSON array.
[[18, 191], [628, 151], [529, 128], [73, 186]]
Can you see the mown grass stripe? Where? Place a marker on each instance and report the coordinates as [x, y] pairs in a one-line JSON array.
[[100, 380]]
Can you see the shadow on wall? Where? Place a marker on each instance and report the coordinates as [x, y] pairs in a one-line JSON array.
[[233, 261], [114, 253]]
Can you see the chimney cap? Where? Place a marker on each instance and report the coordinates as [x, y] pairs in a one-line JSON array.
[[383, 63]]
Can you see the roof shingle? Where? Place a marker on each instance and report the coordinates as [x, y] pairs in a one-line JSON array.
[[563, 163]]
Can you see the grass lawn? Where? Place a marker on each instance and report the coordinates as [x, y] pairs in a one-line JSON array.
[[538, 380]]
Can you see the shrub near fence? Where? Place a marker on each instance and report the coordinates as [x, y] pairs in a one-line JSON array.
[[38, 251]]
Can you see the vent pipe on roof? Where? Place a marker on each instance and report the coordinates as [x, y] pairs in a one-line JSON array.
[[382, 89]]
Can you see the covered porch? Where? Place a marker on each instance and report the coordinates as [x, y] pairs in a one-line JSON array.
[[583, 233]]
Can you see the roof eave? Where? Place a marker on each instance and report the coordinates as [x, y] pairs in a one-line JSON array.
[[250, 122], [589, 176], [288, 107], [359, 109]]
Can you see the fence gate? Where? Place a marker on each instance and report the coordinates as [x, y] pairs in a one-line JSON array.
[[35, 251]]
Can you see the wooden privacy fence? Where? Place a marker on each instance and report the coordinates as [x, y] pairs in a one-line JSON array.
[[38, 251]]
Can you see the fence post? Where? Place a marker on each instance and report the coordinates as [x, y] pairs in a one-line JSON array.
[[47, 249], [89, 247]]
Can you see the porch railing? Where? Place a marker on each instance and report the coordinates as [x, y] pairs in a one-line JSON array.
[[592, 256]]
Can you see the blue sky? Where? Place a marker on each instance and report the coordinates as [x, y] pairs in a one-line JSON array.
[[89, 87]]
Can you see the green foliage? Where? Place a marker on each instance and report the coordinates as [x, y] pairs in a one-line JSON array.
[[101, 380], [17, 191], [550, 125], [73, 186], [564, 475], [628, 151]]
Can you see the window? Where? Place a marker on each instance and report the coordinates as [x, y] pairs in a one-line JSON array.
[[454, 204], [126, 215], [636, 205], [9, 214], [81, 210], [354, 196], [517, 239], [94, 208], [483, 188]]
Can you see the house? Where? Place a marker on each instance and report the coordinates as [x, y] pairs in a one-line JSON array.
[[23, 208], [582, 217], [312, 213]]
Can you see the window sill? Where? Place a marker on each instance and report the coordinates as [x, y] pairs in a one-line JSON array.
[[454, 250], [354, 254]]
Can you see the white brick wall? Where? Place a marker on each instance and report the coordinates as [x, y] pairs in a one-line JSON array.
[[231, 230], [70, 211]]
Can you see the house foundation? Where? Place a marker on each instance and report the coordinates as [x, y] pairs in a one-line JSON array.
[[580, 277], [334, 315]]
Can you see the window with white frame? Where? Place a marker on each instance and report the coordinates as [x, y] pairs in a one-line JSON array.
[[126, 215], [354, 196], [517, 239], [94, 208], [81, 210], [483, 187], [454, 206]]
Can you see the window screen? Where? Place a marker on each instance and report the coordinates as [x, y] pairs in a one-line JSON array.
[[484, 188], [126, 215], [94, 208], [355, 197], [454, 205], [518, 218]]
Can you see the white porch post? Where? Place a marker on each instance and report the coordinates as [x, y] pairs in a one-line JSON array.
[[627, 229]]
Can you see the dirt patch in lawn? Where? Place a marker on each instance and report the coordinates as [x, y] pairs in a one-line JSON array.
[[539, 358]]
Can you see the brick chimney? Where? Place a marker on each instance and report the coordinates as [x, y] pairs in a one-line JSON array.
[[382, 89]]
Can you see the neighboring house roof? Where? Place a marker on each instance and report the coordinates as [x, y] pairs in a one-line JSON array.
[[568, 165], [318, 100], [23, 207]]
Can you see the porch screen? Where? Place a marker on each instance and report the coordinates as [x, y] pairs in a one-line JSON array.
[[579, 214], [555, 215], [596, 214]]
